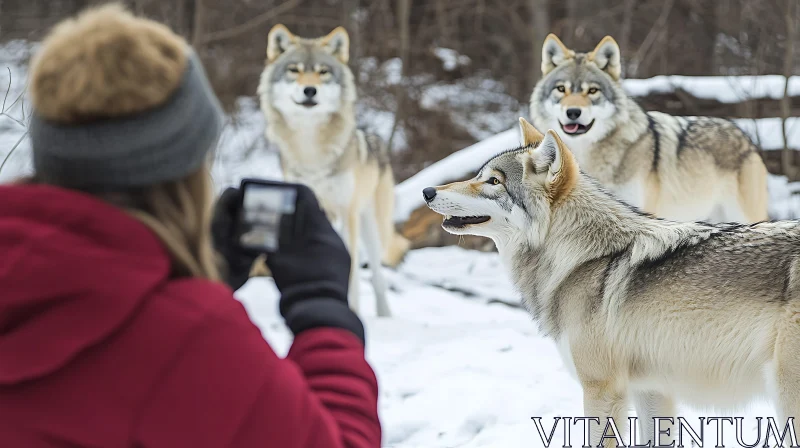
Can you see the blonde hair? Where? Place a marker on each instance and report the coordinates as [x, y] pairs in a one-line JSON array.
[[108, 63], [179, 213]]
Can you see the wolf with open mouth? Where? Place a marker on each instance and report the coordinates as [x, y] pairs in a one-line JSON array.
[[643, 310], [683, 168]]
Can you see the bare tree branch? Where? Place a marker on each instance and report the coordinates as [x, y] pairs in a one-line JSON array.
[[652, 36], [13, 148], [8, 89], [22, 123], [253, 23]]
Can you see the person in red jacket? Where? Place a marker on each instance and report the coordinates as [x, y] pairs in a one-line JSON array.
[[115, 329]]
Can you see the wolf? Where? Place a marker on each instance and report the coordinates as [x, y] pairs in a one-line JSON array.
[[642, 309], [681, 168], [308, 96]]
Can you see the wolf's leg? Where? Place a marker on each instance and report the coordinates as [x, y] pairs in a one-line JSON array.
[[653, 404], [393, 245], [603, 400], [372, 243], [753, 195], [350, 230], [787, 372]]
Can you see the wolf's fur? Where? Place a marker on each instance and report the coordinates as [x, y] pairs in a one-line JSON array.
[[643, 309], [320, 146], [682, 168]]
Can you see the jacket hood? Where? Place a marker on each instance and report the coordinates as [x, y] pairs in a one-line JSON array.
[[73, 269]]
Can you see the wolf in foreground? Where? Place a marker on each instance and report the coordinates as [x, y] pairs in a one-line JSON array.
[[680, 168], [642, 309], [308, 97]]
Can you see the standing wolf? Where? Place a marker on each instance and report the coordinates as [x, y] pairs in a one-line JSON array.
[[308, 97], [642, 309], [682, 168]]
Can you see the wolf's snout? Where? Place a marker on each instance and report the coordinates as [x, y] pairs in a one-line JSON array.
[[573, 113], [311, 91], [429, 193]]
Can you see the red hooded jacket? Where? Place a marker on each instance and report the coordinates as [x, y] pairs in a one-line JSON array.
[[99, 347]]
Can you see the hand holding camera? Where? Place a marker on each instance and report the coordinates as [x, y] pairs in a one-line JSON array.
[[309, 261]]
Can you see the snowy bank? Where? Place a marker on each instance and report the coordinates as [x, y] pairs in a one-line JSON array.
[[452, 167], [767, 133], [725, 89]]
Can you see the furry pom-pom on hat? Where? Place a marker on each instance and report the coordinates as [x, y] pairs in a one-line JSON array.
[[105, 63], [119, 102]]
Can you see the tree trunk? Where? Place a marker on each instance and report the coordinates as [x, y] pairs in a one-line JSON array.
[[442, 22], [627, 23], [184, 17], [721, 15], [404, 27], [349, 19], [540, 19], [786, 104], [572, 23], [198, 26]]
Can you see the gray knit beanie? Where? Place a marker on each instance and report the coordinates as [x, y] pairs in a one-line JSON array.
[[115, 150]]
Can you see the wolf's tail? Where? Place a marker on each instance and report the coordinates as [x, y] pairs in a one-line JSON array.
[[259, 267], [396, 251], [753, 193], [378, 149]]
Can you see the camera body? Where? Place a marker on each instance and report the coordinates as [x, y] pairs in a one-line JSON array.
[[267, 220]]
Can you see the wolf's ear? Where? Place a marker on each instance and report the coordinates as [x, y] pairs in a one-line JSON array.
[[337, 43], [553, 157], [278, 41], [530, 135], [607, 56], [554, 53]]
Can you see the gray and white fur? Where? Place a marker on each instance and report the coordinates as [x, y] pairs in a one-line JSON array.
[[308, 97], [681, 168], [644, 311]]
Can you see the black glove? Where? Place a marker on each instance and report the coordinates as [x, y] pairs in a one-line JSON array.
[[238, 260], [313, 272]]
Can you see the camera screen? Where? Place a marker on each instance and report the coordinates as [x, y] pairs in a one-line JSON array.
[[264, 208]]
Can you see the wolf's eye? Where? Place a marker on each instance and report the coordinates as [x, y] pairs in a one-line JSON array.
[[324, 71], [593, 90], [561, 89], [293, 69], [493, 181]]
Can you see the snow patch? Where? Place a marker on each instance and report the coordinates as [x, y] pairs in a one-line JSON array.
[[784, 198], [767, 133], [725, 89], [451, 59]]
